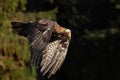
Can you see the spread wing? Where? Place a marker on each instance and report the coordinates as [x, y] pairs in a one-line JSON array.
[[38, 34], [39, 39], [53, 56]]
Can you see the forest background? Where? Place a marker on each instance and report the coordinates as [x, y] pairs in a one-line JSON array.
[[94, 52]]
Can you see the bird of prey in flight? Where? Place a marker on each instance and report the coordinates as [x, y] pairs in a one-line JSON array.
[[48, 43]]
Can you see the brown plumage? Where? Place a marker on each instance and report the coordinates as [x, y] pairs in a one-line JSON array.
[[48, 43]]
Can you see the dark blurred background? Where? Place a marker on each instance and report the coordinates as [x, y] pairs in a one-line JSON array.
[[94, 49]]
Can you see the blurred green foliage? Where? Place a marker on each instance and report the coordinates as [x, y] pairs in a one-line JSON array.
[[14, 49], [9, 7], [14, 56]]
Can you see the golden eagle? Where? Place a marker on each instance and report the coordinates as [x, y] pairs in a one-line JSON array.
[[48, 43]]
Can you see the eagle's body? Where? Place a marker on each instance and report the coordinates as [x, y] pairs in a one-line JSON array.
[[48, 43]]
